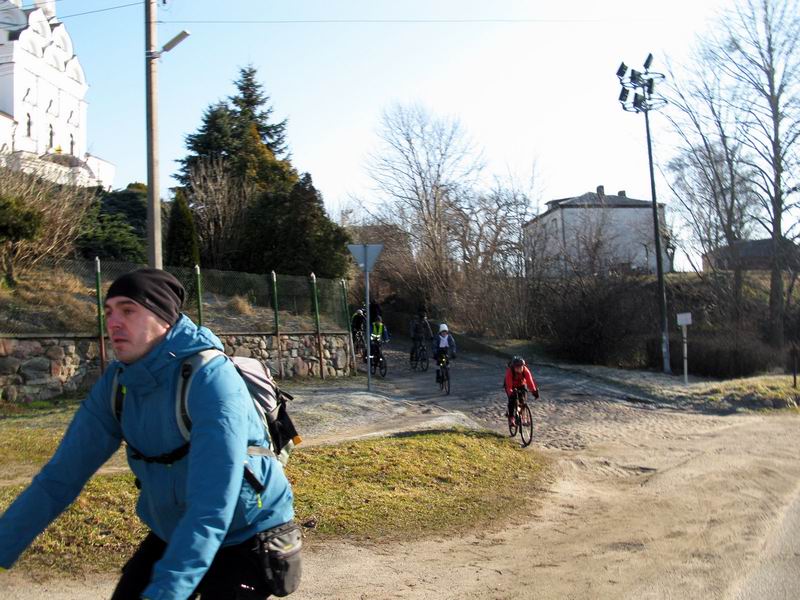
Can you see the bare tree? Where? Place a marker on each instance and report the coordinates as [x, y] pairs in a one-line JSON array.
[[486, 229], [757, 51], [422, 162], [219, 201], [61, 209], [712, 177]]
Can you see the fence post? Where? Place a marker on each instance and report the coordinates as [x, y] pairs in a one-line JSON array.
[[350, 346], [199, 285], [316, 320], [101, 334], [277, 323]]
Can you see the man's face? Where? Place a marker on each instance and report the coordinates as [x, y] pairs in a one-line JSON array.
[[443, 333], [133, 329], [518, 368]]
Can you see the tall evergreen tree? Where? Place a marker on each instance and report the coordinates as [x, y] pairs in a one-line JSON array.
[[214, 139], [181, 248], [301, 238], [250, 107]]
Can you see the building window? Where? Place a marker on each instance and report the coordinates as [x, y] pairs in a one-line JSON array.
[[29, 125], [72, 144], [51, 137]]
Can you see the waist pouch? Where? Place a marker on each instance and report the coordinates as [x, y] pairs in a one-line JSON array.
[[279, 550]]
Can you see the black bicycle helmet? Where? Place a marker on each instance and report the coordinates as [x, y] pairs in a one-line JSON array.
[[517, 361]]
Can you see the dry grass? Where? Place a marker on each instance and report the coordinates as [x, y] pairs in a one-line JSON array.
[[51, 300], [240, 306]]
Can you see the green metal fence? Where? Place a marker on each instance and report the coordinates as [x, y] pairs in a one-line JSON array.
[[62, 298]]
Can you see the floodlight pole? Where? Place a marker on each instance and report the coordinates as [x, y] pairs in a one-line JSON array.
[[645, 100], [662, 290]]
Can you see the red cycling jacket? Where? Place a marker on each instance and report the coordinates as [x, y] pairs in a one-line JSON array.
[[515, 380]]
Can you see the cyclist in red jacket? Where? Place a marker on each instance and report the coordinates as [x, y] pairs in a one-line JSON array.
[[518, 375]]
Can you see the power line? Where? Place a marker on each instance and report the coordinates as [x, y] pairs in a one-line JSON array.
[[89, 12], [99, 10], [370, 21]]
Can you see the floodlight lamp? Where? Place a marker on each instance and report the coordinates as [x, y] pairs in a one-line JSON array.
[[638, 102], [648, 61], [635, 77], [623, 95], [651, 86], [623, 68]]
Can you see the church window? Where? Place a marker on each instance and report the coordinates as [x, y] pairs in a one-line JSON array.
[[29, 125], [51, 138], [72, 144]]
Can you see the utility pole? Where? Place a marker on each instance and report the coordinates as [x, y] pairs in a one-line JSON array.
[[151, 91]]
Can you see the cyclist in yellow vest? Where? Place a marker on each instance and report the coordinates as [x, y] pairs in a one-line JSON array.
[[379, 334]]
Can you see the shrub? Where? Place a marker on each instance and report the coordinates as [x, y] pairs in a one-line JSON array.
[[721, 356]]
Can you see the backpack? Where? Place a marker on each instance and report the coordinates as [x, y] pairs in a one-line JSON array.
[[268, 399]]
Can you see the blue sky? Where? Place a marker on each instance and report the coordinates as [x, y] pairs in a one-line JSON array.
[[537, 87]]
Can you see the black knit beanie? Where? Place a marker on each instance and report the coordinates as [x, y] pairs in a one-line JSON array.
[[158, 291]]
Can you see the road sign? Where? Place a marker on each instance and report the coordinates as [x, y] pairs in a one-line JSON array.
[[365, 255], [684, 319]]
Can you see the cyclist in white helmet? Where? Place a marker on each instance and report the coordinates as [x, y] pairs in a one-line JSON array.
[[444, 344]]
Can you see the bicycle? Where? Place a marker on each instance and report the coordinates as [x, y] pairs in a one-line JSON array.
[[444, 373], [419, 357], [377, 360], [359, 346], [522, 420]]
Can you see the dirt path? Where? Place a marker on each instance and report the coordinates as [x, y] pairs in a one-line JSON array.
[[646, 501]]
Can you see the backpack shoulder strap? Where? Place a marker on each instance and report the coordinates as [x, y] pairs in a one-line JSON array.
[[189, 367], [117, 397]]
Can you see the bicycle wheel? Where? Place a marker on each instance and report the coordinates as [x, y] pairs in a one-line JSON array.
[[512, 420], [512, 426], [423, 358], [382, 367], [373, 364], [526, 426], [446, 380]]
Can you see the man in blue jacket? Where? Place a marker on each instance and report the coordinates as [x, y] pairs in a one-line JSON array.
[[208, 502]]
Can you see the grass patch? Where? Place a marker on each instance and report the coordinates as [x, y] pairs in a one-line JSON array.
[[98, 533], [749, 389], [410, 485], [399, 487]]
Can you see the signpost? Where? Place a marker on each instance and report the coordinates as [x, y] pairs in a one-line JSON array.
[[366, 255], [684, 320]]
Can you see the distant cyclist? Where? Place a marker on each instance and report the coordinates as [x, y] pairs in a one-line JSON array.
[[518, 375], [357, 321], [379, 335], [443, 345], [420, 331]]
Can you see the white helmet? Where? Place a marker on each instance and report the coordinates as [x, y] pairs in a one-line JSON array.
[[443, 327]]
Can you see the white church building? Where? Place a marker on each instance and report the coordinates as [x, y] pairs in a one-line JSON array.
[[42, 105]]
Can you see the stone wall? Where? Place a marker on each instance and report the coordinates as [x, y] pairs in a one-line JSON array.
[[42, 368]]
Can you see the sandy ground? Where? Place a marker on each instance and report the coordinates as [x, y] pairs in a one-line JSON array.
[[644, 500]]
